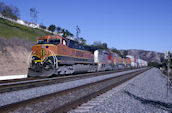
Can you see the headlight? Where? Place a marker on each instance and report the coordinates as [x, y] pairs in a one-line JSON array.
[[33, 58]]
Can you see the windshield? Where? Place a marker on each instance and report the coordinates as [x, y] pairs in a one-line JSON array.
[[42, 41], [50, 41], [54, 41]]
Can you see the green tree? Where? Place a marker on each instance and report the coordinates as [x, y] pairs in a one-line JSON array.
[[42, 26], [116, 51], [99, 45], [52, 28], [16, 11], [165, 62], [63, 30], [125, 53], [9, 13], [82, 41], [154, 64], [71, 35], [67, 33], [104, 45], [58, 29], [63, 33]]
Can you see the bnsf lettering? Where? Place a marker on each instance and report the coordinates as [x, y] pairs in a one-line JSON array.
[[79, 54]]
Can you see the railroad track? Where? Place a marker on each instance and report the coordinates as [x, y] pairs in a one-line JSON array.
[[65, 100], [14, 85]]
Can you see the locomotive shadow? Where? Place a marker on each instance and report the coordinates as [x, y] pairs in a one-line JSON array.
[[154, 103]]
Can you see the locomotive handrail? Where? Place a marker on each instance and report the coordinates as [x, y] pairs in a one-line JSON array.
[[55, 59], [28, 58]]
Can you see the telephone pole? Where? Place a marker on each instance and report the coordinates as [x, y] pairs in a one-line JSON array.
[[77, 32], [167, 56]]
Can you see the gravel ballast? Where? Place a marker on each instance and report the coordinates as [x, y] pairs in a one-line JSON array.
[[16, 96], [145, 93]]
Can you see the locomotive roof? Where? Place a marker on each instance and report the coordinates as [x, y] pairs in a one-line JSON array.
[[50, 37], [54, 37]]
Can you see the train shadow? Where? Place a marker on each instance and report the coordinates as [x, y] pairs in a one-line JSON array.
[[154, 103]]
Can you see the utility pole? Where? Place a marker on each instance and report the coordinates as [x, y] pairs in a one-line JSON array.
[[77, 32], [167, 56]]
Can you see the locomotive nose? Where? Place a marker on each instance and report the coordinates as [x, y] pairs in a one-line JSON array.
[[40, 51]]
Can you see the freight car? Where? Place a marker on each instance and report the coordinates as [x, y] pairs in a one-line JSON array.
[[59, 55]]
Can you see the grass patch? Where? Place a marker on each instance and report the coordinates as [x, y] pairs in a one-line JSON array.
[[10, 29]]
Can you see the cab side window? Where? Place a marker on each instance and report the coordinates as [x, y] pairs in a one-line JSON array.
[[64, 42], [71, 44], [54, 41]]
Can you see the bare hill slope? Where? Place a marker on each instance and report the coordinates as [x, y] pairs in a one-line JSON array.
[[13, 56], [150, 56]]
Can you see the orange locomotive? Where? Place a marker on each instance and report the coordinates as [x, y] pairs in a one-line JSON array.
[[59, 55]]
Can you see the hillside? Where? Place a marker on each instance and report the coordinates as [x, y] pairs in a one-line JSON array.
[[15, 46], [14, 56], [150, 56], [10, 29]]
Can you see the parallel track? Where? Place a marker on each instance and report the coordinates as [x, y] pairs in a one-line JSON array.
[[53, 103], [36, 82]]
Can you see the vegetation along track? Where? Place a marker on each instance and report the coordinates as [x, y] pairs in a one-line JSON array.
[[65, 100], [14, 85]]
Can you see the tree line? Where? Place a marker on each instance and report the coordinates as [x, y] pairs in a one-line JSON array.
[[162, 64], [9, 11], [53, 28], [96, 45]]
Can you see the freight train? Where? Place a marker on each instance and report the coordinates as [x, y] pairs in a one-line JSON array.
[[56, 55]]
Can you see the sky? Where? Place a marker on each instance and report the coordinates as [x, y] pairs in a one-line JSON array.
[[122, 24]]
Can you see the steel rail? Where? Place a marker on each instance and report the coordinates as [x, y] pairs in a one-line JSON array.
[[75, 99], [20, 85], [45, 79]]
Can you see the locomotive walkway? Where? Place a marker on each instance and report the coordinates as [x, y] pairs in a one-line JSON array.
[[145, 93]]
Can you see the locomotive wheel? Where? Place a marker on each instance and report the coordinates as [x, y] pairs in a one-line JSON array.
[[41, 70], [43, 73], [92, 68], [70, 70], [66, 70]]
